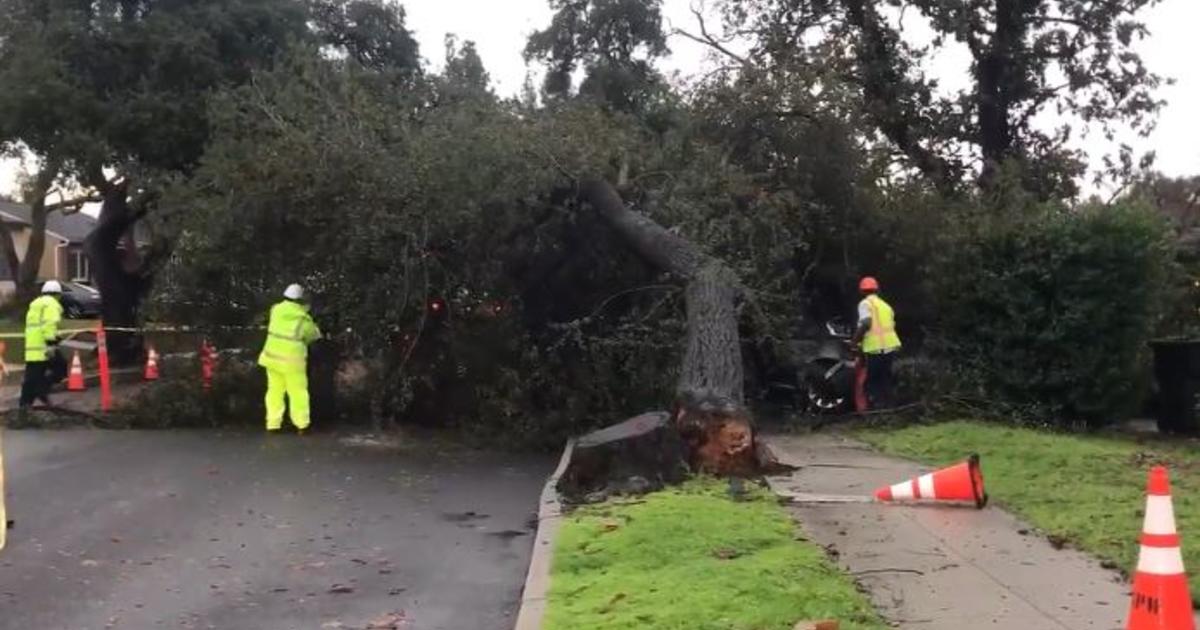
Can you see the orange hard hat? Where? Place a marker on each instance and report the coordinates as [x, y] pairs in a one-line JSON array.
[[868, 284]]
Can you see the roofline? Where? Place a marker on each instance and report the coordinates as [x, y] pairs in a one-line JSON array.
[[16, 219]]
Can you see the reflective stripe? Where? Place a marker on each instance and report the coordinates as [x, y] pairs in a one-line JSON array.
[[925, 485], [1160, 515], [1160, 540], [902, 490], [284, 337], [1160, 561]]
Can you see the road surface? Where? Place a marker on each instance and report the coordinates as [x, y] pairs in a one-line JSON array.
[[230, 531]]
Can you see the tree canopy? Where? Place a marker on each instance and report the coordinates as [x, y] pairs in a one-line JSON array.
[[473, 253]]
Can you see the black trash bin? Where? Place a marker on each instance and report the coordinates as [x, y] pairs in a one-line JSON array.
[[1177, 371]]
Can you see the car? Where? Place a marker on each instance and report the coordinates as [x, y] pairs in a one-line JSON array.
[[80, 301]]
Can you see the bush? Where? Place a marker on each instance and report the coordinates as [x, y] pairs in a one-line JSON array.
[[1052, 311], [179, 400]]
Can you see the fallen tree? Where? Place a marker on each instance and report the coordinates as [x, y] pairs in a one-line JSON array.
[[710, 429]]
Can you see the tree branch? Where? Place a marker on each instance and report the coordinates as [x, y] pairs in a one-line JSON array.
[[706, 39], [71, 206]]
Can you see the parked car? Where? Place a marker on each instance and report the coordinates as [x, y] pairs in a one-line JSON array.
[[80, 301]]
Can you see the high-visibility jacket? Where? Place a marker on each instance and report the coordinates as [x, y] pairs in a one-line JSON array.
[[289, 332], [882, 336], [41, 327]]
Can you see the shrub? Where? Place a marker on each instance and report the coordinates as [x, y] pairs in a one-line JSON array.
[[1052, 310]]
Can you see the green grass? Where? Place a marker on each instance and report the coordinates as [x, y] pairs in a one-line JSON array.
[[1084, 490], [693, 559]]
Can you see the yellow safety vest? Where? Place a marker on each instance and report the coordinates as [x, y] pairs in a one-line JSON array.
[[882, 336], [41, 326], [288, 334]]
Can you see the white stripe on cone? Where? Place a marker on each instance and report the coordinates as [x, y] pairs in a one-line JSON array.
[[1160, 561], [1160, 516], [902, 490], [925, 486]]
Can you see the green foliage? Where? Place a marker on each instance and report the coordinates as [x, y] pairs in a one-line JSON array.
[[179, 401], [104, 83], [1053, 310], [613, 41], [619, 566], [1026, 59], [371, 32], [1026, 471]]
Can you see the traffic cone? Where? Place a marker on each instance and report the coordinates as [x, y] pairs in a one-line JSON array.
[[151, 373], [1160, 587], [960, 482], [208, 364], [75, 377]]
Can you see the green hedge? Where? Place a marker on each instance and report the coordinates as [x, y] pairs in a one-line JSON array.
[[1052, 312]]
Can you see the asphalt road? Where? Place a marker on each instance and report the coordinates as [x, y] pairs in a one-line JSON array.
[[198, 529]]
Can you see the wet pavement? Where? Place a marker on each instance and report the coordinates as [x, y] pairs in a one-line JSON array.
[[204, 529]]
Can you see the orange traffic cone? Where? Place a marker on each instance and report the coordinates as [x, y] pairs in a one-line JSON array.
[[75, 377], [960, 482], [151, 373], [1160, 587]]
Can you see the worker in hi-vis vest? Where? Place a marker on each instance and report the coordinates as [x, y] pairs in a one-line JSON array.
[[44, 365], [876, 333], [285, 357]]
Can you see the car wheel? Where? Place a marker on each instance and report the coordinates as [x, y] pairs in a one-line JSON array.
[[827, 394]]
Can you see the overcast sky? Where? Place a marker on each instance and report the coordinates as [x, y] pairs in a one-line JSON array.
[[499, 30]]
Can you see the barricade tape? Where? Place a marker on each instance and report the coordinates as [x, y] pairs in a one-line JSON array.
[[143, 329]]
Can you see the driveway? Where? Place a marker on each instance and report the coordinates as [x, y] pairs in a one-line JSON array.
[[234, 531]]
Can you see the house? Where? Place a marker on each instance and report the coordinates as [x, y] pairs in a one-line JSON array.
[[62, 258]]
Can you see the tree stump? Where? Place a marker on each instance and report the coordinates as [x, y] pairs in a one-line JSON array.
[[639, 455]]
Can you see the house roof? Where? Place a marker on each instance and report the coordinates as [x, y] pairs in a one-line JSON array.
[[73, 228]]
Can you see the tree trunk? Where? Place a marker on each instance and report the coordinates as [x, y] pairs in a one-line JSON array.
[[25, 271], [709, 411], [121, 286], [11, 259]]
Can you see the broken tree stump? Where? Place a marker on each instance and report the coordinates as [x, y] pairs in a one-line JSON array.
[[639, 455]]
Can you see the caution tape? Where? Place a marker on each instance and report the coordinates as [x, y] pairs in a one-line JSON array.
[[141, 330]]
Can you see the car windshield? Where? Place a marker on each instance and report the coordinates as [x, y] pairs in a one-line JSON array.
[[81, 288]]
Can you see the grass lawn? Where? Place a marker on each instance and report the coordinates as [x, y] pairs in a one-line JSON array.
[[692, 558], [1084, 490]]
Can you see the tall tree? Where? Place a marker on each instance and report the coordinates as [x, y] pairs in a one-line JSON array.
[[113, 96], [614, 43], [1028, 58]]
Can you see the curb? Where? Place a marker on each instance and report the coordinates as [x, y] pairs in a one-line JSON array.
[[537, 580]]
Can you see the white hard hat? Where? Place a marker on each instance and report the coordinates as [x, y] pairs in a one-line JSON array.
[[52, 286], [294, 292]]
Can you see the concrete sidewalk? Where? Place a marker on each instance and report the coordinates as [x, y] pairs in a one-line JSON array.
[[937, 567]]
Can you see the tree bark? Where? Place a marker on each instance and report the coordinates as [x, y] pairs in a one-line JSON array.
[[710, 413], [121, 286], [25, 270]]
